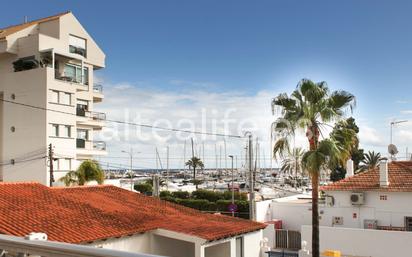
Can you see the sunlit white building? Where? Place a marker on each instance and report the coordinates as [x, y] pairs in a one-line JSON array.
[[48, 93]]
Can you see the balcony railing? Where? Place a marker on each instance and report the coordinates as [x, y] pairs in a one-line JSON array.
[[17, 246], [80, 143], [97, 88], [99, 145], [93, 115]]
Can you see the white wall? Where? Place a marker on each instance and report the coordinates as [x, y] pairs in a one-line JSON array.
[[252, 243], [293, 215], [362, 242], [390, 212], [263, 211], [137, 243], [219, 250]]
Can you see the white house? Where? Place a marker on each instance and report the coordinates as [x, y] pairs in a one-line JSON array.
[[114, 218], [48, 94], [368, 214]]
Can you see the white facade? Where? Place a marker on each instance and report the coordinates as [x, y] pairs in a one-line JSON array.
[[168, 243], [360, 242], [61, 81]]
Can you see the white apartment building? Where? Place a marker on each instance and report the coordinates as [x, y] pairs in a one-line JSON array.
[[48, 96]]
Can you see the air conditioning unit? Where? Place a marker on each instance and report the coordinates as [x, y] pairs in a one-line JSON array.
[[329, 201], [357, 198], [370, 224]]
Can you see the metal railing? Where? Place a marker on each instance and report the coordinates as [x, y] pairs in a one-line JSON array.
[[287, 239], [97, 88], [99, 145], [17, 246], [94, 115]]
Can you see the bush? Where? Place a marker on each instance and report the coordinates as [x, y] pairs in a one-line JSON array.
[[209, 195], [242, 207], [144, 188], [196, 182], [202, 204], [170, 199], [227, 195], [165, 193], [181, 194]]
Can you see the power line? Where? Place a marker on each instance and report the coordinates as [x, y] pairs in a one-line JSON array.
[[129, 123]]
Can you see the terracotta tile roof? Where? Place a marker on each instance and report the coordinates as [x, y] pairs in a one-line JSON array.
[[4, 32], [84, 214], [400, 180]]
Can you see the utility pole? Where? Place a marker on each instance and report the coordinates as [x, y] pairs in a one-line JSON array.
[[251, 179], [184, 160], [167, 169], [233, 189], [51, 159]]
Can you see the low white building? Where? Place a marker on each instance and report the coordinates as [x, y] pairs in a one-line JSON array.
[[114, 218], [372, 207]]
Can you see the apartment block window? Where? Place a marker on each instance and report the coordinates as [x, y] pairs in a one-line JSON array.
[[65, 164], [83, 134], [75, 73], [54, 96], [383, 197], [55, 130], [77, 45], [59, 97], [67, 131], [65, 98]]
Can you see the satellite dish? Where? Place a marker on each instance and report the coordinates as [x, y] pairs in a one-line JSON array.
[[392, 149]]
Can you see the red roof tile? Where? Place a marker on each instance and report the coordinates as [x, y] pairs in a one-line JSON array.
[[84, 214], [400, 180]]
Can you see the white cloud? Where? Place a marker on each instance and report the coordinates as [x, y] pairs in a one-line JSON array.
[[369, 136]]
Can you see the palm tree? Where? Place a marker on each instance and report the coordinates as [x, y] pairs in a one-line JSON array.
[[310, 107], [195, 162], [370, 160], [89, 170], [293, 163]]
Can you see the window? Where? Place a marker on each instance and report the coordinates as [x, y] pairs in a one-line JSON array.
[[65, 98], [83, 134], [67, 131], [59, 97], [408, 223], [77, 45], [54, 96], [239, 247], [65, 164], [74, 72], [55, 130], [383, 197]]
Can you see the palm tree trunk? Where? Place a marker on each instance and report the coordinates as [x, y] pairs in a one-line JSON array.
[[315, 215], [313, 142]]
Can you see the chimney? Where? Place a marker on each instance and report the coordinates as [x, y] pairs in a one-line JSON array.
[[349, 168], [383, 174]]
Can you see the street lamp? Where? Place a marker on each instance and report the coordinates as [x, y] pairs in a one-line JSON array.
[[394, 123], [131, 166], [233, 189]]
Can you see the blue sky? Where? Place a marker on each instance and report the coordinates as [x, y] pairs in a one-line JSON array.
[[364, 47]]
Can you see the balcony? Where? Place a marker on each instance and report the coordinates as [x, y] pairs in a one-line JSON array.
[[18, 246], [99, 145], [92, 119], [89, 148], [97, 93]]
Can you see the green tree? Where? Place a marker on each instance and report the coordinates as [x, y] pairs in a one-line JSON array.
[[195, 162], [293, 163], [370, 160], [310, 107], [345, 131], [89, 170]]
